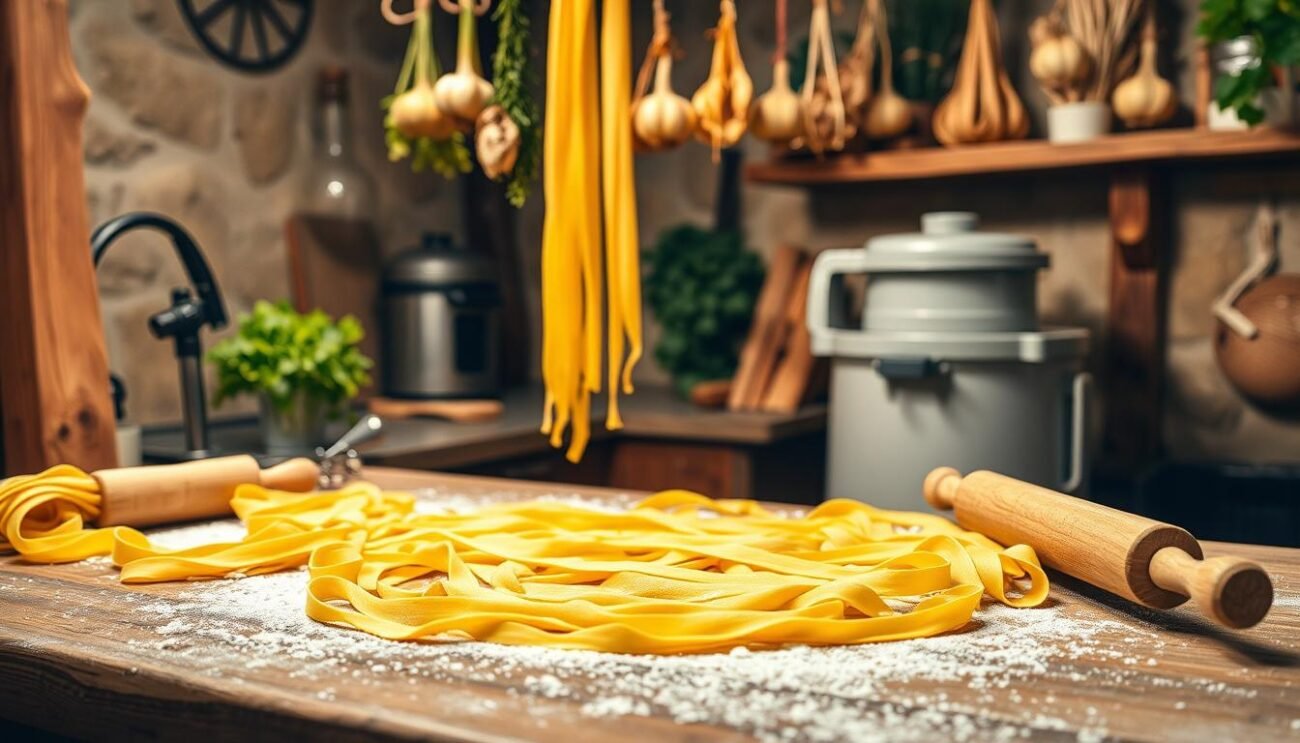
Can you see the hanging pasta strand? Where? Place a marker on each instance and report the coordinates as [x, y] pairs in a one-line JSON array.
[[623, 273], [587, 264], [559, 323]]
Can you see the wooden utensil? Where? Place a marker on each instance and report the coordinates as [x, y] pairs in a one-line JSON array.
[[460, 411], [759, 355], [1149, 562], [334, 265], [163, 493], [790, 379]]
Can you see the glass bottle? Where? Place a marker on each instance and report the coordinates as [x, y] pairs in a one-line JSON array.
[[336, 185]]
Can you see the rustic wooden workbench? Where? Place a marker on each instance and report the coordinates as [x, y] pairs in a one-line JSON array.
[[82, 655]]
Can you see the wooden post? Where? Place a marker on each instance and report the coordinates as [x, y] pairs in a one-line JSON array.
[[1135, 349], [54, 392]]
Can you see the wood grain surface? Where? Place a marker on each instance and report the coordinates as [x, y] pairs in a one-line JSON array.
[[78, 655]]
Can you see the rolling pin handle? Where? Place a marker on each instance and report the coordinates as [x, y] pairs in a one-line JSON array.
[[940, 488], [1232, 590], [299, 475]]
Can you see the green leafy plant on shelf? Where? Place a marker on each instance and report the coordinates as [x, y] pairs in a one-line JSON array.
[[1275, 27], [282, 354], [702, 289]]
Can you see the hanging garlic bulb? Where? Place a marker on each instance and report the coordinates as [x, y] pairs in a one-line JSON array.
[[982, 105], [1145, 99], [889, 113], [663, 119], [1058, 61], [722, 102], [777, 116], [856, 71], [463, 93], [825, 125], [415, 114]]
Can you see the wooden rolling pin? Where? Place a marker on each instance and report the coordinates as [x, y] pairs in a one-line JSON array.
[[1149, 562], [164, 493]]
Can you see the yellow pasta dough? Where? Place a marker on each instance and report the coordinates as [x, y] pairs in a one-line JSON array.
[[590, 255], [679, 573]]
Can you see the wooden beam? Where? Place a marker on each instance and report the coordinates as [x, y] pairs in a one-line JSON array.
[[54, 392], [1135, 348]]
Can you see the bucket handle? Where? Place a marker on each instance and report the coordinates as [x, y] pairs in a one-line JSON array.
[[1081, 392], [824, 292]]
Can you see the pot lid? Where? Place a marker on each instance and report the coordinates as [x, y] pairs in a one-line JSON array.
[[437, 262], [950, 241]]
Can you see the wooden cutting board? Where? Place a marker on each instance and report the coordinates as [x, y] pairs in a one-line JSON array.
[[334, 265], [767, 333], [794, 372]]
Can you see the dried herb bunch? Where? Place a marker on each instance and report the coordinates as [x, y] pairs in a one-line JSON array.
[[513, 79], [1084, 48]]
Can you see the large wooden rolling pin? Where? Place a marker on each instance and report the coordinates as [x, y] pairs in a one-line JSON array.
[[1153, 563], [164, 493]]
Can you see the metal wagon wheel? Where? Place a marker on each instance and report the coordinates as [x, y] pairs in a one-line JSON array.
[[277, 29]]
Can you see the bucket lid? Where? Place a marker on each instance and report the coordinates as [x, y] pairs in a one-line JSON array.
[[950, 241]]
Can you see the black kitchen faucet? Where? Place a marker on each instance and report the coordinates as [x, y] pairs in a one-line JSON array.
[[183, 320]]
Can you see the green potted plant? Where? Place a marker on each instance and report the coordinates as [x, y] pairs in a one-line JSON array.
[[702, 288], [303, 368], [1252, 38]]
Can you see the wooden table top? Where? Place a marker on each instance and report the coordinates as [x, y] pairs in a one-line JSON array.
[[81, 654]]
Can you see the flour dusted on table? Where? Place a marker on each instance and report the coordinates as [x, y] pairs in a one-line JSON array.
[[881, 691]]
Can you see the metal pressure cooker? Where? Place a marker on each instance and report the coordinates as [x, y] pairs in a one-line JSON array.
[[440, 308]]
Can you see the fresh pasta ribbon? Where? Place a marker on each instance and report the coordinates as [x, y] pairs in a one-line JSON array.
[[678, 573], [591, 281]]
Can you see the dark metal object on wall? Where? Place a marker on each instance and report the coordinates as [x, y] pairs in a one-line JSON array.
[[254, 36]]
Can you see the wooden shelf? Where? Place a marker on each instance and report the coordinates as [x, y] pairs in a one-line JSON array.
[[1161, 146]]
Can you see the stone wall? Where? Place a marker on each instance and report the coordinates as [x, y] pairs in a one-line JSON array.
[[172, 131], [224, 153]]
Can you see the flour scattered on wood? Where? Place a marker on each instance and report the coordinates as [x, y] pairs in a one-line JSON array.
[[1010, 658]]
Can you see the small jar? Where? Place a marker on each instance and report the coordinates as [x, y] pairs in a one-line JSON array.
[[1234, 56]]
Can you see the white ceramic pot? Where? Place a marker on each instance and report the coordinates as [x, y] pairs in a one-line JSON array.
[[1077, 122]]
